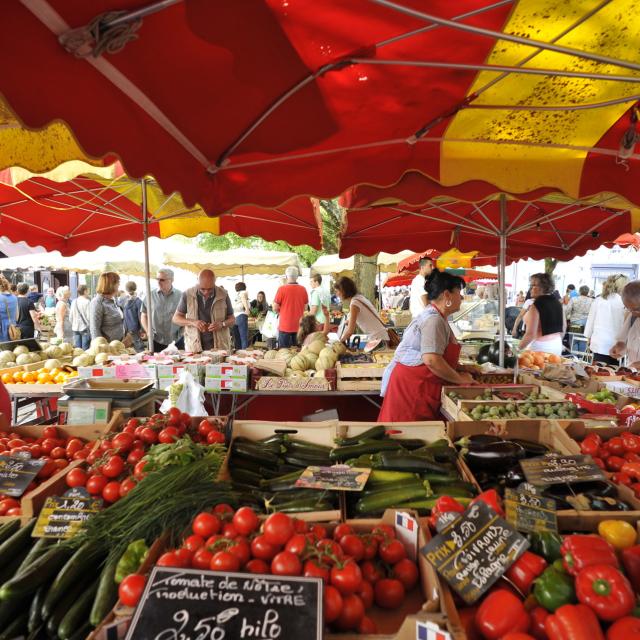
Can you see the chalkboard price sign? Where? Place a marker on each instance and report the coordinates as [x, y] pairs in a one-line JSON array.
[[62, 516], [16, 473], [189, 604], [474, 551], [530, 512], [559, 469]]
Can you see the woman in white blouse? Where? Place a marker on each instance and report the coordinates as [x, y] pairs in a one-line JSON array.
[[362, 313], [605, 319]]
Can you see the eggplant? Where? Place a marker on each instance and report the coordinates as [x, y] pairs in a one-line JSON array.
[[599, 503], [499, 456], [514, 477], [478, 440], [532, 449], [483, 354]]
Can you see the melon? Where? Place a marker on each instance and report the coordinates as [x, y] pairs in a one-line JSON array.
[[7, 357], [67, 348], [101, 358], [36, 357], [283, 354], [82, 361], [324, 362], [52, 363], [316, 346], [19, 349], [319, 374], [103, 348], [271, 354], [339, 347], [299, 363], [117, 346], [98, 341], [23, 358], [78, 351], [54, 352], [311, 359]]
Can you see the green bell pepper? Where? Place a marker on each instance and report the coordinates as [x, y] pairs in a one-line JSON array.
[[131, 560], [546, 544], [554, 589]]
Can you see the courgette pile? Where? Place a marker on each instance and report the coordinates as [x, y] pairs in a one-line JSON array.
[[406, 473], [48, 590], [264, 473]]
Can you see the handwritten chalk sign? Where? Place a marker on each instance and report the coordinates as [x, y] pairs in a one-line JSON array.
[[16, 472], [339, 477], [559, 469], [191, 604], [62, 516], [530, 512], [475, 551]]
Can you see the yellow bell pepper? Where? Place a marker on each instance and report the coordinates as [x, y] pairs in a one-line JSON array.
[[619, 534]]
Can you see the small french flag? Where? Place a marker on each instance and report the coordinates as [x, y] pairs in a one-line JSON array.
[[431, 631], [405, 521]]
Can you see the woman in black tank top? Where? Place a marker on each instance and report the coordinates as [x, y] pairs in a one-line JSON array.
[[545, 319]]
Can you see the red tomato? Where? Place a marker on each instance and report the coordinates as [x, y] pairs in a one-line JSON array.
[[174, 413], [6, 504], [353, 546], [138, 470], [366, 594], [193, 542], [206, 524], [186, 419], [257, 566], [60, 463], [331, 548], [342, 530], [58, 452], [224, 561], [50, 432], [111, 491], [131, 589], [76, 478], [205, 427], [46, 470], [346, 579], [392, 551], [223, 509], [215, 437], [73, 446], [261, 549], [333, 601], [96, 484], [148, 435], [297, 544], [240, 548], [245, 521], [168, 559], [14, 511], [35, 450], [14, 443], [229, 531], [367, 626], [184, 557], [113, 467], [127, 429], [407, 572], [278, 528], [126, 485], [351, 614], [370, 547], [383, 532], [286, 563], [389, 593], [135, 455], [313, 568], [133, 422], [319, 531], [201, 558], [81, 455], [615, 446], [168, 435], [300, 526], [122, 442]]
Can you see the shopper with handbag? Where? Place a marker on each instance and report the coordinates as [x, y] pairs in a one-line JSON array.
[[8, 312]]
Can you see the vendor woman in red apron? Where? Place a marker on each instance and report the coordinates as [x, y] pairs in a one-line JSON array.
[[426, 358]]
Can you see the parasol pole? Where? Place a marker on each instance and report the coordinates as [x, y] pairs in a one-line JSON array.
[[501, 273], [147, 268]]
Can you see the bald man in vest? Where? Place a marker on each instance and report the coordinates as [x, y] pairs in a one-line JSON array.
[[206, 313]]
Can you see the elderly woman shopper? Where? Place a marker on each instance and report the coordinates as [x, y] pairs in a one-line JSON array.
[[426, 358], [545, 318], [62, 327], [577, 310], [105, 316], [605, 320], [362, 314], [628, 342]]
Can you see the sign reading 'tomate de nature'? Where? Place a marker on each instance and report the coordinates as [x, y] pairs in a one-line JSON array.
[[191, 604]]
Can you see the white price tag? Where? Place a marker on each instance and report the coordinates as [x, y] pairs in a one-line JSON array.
[[407, 532]]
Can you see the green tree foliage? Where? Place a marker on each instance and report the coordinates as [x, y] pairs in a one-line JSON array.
[[549, 265]]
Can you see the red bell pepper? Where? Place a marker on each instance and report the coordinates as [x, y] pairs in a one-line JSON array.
[[444, 504], [517, 636], [631, 563], [591, 445], [615, 446], [615, 463], [573, 622], [635, 487], [599, 462], [492, 499], [632, 469], [622, 478], [539, 616], [525, 570], [580, 551], [604, 589], [631, 442], [627, 628], [632, 456], [501, 612]]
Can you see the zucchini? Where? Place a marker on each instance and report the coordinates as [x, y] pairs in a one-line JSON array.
[[36, 574], [8, 529], [374, 433], [12, 546], [244, 476], [35, 610], [107, 594], [383, 477], [381, 500], [17, 628], [8, 571], [301, 445], [82, 632], [252, 452], [78, 614], [63, 606], [370, 446], [304, 462], [272, 484], [401, 461], [323, 505], [79, 565], [35, 552], [428, 503]]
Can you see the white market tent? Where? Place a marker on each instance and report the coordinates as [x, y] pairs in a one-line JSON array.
[[234, 261], [335, 265]]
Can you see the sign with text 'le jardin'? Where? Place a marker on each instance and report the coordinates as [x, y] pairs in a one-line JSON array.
[[189, 604]]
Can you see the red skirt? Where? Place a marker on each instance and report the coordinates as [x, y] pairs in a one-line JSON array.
[[413, 394]]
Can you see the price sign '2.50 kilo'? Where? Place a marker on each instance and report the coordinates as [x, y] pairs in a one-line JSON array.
[[189, 604]]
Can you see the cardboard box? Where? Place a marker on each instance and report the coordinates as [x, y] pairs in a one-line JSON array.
[[173, 370], [226, 371], [215, 385], [97, 371], [226, 377]]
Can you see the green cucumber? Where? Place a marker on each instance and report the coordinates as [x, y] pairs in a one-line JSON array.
[[428, 503], [82, 632], [20, 540], [8, 571], [374, 433], [36, 574], [8, 529], [36, 551], [78, 614], [35, 610], [64, 605], [362, 448], [382, 476], [17, 628], [107, 594], [384, 499], [78, 566], [303, 445], [244, 476]]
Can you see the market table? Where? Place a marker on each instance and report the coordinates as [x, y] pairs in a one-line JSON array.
[[143, 406], [24, 395]]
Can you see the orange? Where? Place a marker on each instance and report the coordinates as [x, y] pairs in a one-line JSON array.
[[55, 372], [7, 378], [44, 377], [17, 376], [554, 358], [60, 378], [29, 377]]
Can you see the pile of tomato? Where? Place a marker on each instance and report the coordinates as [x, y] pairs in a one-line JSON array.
[[358, 569], [115, 466], [56, 449]]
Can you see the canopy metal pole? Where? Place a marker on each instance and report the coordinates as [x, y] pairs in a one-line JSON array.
[[147, 268], [501, 273]]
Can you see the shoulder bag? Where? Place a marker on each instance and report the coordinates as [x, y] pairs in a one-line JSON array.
[[13, 332]]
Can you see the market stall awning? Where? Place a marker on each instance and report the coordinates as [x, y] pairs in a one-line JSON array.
[[258, 101], [333, 264], [235, 262], [404, 278], [103, 206]]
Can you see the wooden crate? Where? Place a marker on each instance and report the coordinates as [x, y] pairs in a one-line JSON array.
[[359, 385], [359, 370]]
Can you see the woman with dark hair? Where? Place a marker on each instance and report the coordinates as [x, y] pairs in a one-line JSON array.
[[544, 320], [426, 358], [260, 304], [241, 311], [310, 329], [361, 314]]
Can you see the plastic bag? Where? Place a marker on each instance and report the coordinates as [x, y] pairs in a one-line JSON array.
[[270, 325], [170, 349], [187, 395]]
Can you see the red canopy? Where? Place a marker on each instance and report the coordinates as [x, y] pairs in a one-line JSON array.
[[470, 275], [256, 101]]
